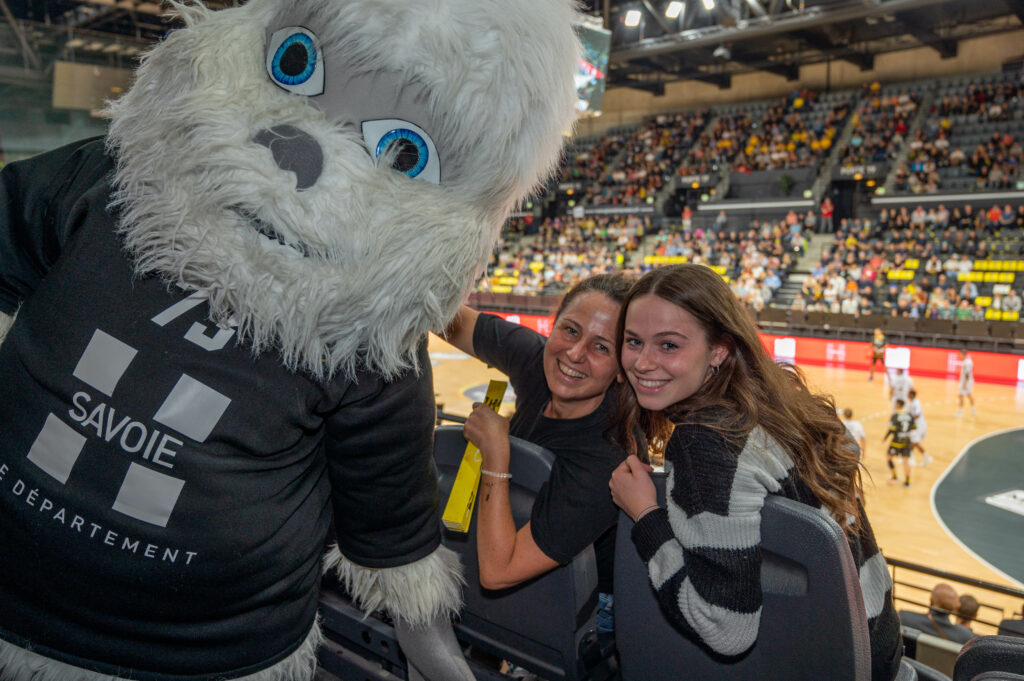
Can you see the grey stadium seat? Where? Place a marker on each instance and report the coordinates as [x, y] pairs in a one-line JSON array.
[[991, 658], [935, 652], [813, 623], [545, 625]]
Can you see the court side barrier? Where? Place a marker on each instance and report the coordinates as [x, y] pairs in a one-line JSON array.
[[908, 593]]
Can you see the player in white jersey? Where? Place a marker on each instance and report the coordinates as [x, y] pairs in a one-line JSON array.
[[855, 430], [966, 387], [900, 386], [915, 409]]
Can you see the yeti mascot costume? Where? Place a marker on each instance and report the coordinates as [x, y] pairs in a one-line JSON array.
[[216, 321]]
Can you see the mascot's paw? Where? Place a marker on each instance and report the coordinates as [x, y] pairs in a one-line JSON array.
[[433, 652], [417, 593], [18, 664], [421, 598]]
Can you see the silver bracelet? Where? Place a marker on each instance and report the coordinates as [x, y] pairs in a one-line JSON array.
[[644, 512], [503, 476]]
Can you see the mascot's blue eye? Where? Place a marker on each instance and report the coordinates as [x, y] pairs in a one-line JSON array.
[[407, 147], [295, 62]]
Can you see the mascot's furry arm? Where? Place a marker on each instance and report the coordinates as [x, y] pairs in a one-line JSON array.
[[219, 342]]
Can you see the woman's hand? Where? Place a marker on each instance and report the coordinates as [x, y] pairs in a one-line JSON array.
[[488, 430], [632, 488]]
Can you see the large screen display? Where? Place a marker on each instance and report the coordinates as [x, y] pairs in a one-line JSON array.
[[592, 67]]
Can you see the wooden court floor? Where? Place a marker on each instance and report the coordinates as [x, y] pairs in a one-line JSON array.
[[902, 518]]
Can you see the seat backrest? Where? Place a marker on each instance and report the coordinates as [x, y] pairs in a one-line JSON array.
[[924, 672], [841, 320], [972, 327], [813, 622], [938, 326], [773, 315], [871, 321], [990, 654], [1002, 329], [540, 624], [937, 653], [900, 324]]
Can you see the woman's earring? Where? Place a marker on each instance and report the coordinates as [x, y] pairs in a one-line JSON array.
[[714, 369]]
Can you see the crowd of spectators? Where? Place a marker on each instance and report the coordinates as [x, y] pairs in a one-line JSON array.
[[755, 260], [989, 101], [717, 146], [993, 163], [652, 154], [794, 133], [591, 162], [852, 276], [880, 125], [926, 153], [552, 257]]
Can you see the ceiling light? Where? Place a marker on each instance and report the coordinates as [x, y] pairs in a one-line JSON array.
[[74, 42], [632, 18], [113, 47], [674, 9], [709, 5], [95, 46]]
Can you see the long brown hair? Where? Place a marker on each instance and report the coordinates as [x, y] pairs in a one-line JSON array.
[[749, 389]]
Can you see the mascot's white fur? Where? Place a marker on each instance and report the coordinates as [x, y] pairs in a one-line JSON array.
[[328, 176]]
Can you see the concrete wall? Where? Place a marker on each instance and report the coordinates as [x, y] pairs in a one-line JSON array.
[[626, 105]]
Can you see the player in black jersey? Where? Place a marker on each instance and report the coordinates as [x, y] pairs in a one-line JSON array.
[[877, 353], [900, 425]]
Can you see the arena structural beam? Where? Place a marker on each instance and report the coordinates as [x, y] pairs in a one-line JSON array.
[[946, 47], [767, 26], [30, 55], [862, 60]]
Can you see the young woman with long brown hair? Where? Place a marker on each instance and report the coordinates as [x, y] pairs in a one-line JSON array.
[[733, 427]]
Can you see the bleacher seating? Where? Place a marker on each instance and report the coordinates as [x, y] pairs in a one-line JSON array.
[[978, 114], [937, 653], [880, 124], [908, 247]]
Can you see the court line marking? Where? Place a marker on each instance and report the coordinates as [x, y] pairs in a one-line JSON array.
[[935, 513]]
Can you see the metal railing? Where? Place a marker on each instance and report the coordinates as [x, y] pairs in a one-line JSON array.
[[989, 614]]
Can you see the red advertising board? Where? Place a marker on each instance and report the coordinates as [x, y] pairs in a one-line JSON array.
[[990, 367]]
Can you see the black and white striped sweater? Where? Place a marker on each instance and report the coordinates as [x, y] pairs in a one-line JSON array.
[[703, 552]]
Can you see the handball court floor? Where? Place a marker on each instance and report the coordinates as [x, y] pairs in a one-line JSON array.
[[902, 518]]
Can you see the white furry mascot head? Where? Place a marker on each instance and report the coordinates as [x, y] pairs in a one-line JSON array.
[[333, 173]]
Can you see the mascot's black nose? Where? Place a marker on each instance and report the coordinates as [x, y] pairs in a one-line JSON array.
[[294, 150]]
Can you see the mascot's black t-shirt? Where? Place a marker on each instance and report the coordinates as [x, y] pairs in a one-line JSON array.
[[165, 495]]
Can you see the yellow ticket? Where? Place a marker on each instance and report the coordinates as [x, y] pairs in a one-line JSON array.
[[459, 509]]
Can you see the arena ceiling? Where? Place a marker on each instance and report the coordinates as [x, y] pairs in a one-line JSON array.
[[779, 36], [712, 45]]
